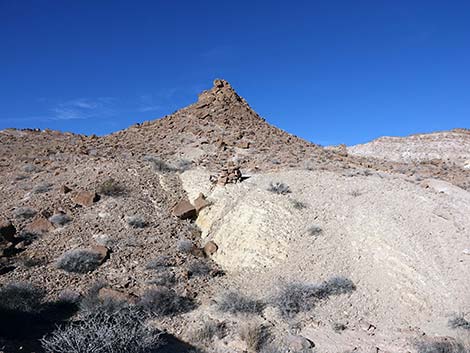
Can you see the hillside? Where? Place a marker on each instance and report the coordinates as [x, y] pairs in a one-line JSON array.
[[373, 250]]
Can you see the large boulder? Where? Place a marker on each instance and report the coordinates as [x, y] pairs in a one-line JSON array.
[[40, 225]]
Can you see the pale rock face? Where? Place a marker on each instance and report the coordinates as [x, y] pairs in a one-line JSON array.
[[451, 146]]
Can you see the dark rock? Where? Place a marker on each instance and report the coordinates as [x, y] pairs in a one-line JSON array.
[[184, 210]]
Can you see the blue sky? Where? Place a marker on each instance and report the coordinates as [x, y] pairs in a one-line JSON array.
[[329, 71]]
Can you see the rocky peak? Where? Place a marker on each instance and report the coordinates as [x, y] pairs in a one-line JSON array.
[[221, 93]]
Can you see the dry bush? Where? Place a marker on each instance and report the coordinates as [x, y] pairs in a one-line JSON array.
[[459, 321], [124, 330], [298, 205], [184, 245], [21, 297], [315, 230], [164, 302], [442, 346], [293, 298], [279, 188], [60, 219], [111, 187], [159, 262], [24, 212], [42, 188], [198, 268], [79, 261], [254, 335], [136, 222], [234, 302], [208, 330]]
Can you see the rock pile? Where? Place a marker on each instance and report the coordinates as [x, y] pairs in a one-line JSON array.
[[228, 175]]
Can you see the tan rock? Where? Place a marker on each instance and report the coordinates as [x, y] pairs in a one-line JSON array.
[[40, 225], [115, 295], [184, 210], [210, 248], [85, 198], [200, 202], [103, 251]]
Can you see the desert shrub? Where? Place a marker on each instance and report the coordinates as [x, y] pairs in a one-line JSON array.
[[314, 230], [111, 187], [254, 335], [441, 346], [22, 297], [59, 219], [459, 322], [24, 212], [30, 168], [164, 302], [184, 245], [164, 278], [92, 304], [31, 262], [198, 268], [158, 164], [159, 262], [338, 327], [184, 165], [233, 302], [208, 331], [79, 261], [355, 193], [298, 205], [123, 331], [279, 188], [42, 188], [20, 177], [136, 222], [293, 298]]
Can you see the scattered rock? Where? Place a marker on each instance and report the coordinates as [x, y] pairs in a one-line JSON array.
[[85, 198], [40, 225], [184, 210], [299, 343], [7, 231], [115, 295], [228, 175], [197, 252], [243, 145], [64, 189], [200, 202], [103, 251], [210, 248]]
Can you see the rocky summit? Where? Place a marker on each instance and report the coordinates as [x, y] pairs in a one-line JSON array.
[[210, 230]]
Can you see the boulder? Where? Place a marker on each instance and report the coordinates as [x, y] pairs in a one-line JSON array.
[[40, 225], [184, 210], [64, 189], [85, 198], [200, 202], [210, 248], [7, 231]]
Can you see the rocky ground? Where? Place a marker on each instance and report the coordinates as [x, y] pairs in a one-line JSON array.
[[396, 227]]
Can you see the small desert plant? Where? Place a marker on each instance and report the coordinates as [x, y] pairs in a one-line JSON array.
[[184, 245], [164, 302], [279, 188], [24, 212], [60, 219], [22, 297], [159, 262], [314, 230], [208, 331], [254, 335], [42, 188], [441, 346], [123, 331], [338, 327], [233, 302], [30, 168], [355, 193], [111, 187], [293, 298], [164, 278], [184, 165], [298, 205], [159, 165], [79, 261], [198, 268], [459, 321], [136, 222]]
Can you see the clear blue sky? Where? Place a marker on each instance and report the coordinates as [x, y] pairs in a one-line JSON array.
[[328, 71]]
